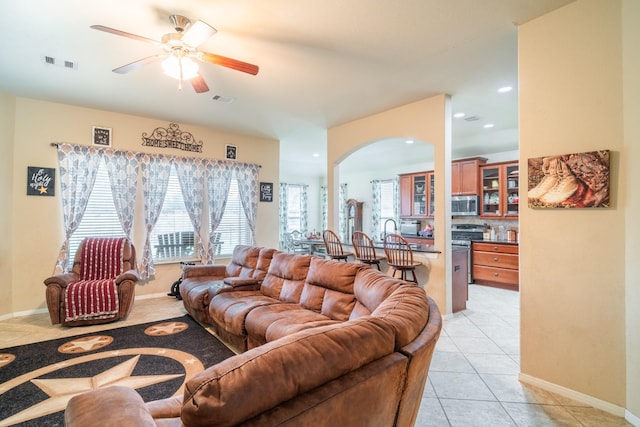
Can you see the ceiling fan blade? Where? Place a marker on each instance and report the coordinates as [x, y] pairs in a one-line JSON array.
[[125, 34], [198, 33], [199, 85], [245, 67], [137, 64]]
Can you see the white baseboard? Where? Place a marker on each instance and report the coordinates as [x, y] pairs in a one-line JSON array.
[[633, 419], [575, 395], [150, 296], [44, 310]]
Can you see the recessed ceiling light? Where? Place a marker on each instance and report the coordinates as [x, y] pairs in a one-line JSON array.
[[488, 125], [505, 89], [409, 141], [316, 155], [458, 115]]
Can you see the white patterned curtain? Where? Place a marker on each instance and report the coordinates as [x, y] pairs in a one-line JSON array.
[[218, 181], [342, 205], [156, 170], [324, 203], [376, 206], [122, 167], [78, 166], [282, 214], [304, 201], [191, 173], [247, 175], [396, 199]]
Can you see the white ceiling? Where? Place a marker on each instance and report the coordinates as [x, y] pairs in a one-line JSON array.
[[322, 63]]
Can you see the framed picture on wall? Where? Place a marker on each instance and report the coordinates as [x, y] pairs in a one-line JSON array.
[[101, 136], [231, 152], [40, 181], [266, 191]]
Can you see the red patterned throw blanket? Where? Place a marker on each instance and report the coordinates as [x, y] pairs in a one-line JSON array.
[[95, 295]]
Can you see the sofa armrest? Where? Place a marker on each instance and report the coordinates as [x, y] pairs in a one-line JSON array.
[[165, 408], [216, 271], [132, 275], [242, 282], [122, 406], [61, 280]]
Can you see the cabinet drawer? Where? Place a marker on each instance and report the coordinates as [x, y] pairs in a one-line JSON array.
[[495, 259], [495, 247], [494, 274]]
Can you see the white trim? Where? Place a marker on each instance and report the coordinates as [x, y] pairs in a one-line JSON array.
[[150, 296], [575, 395], [633, 419], [23, 313]]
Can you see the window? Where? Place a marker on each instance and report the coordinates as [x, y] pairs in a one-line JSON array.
[[386, 203], [294, 208], [234, 228], [100, 218], [173, 238]]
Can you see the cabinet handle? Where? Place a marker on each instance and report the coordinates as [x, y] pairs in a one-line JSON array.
[[496, 274], [495, 248], [495, 259]]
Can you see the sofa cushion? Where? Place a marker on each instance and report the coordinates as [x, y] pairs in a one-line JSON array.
[[229, 309], [281, 370], [328, 288], [270, 322], [243, 261], [285, 276]]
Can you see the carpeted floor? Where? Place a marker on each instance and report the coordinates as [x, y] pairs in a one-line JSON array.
[[37, 380]]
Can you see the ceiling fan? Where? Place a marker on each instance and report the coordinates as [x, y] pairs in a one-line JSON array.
[[180, 48]]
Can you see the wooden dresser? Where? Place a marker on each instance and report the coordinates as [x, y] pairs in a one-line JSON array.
[[495, 264]]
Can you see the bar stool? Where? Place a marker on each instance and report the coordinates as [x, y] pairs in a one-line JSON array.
[[365, 252], [400, 256], [334, 246]]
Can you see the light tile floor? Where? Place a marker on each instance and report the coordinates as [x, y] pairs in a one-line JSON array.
[[473, 379]]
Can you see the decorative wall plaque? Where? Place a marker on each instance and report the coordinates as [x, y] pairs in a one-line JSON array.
[[172, 137], [266, 191], [231, 152], [101, 136], [41, 181]]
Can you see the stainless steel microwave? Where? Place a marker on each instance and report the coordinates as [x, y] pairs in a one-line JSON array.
[[464, 205]]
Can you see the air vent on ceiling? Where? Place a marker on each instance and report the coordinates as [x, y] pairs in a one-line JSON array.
[[472, 118], [223, 99], [50, 60]]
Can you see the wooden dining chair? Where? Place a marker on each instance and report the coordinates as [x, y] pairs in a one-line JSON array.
[[400, 256], [365, 251], [334, 246]]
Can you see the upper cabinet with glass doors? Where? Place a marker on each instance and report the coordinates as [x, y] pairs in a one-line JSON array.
[[416, 195], [500, 185]]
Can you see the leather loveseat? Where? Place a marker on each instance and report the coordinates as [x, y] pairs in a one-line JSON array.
[[323, 343]]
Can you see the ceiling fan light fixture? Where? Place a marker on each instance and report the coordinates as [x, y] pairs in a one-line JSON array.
[[180, 68]]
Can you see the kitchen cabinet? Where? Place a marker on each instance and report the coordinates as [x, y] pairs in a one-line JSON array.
[[416, 195], [465, 176], [500, 185], [495, 264]]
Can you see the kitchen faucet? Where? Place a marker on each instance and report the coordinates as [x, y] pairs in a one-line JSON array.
[[395, 228]]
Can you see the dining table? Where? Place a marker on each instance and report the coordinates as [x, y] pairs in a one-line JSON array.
[[315, 245]]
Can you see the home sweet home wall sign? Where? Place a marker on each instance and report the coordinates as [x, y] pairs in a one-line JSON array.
[[172, 137]]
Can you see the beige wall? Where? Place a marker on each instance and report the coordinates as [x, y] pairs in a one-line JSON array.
[[427, 121], [7, 114], [631, 159], [572, 262], [37, 221]]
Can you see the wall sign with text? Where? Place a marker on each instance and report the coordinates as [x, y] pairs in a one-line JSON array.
[[266, 191], [41, 181]]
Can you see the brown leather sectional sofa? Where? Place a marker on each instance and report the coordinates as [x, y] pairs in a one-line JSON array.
[[322, 342]]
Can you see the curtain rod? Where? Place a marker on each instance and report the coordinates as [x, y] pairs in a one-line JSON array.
[[57, 144]]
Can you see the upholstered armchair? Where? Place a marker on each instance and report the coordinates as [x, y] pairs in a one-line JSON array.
[[99, 289]]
